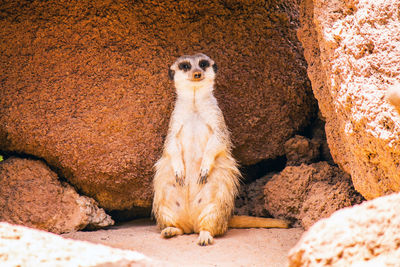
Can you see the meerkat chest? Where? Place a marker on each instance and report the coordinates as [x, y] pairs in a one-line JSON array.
[[195, 133]]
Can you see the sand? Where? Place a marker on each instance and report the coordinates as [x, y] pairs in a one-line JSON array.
[[238, 247]]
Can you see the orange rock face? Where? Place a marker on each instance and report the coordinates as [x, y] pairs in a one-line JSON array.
[[32, 195], [84, 84], [353, 53]]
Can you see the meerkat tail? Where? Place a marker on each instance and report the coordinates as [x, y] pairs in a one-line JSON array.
[[256, 222]]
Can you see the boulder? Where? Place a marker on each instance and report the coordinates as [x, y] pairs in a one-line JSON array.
[[318, 136], [250, 201], [307, 193], [393, 96], [32, 195], [353, 54], [84, 84], [363, 235], [22, 246], [300, 149]]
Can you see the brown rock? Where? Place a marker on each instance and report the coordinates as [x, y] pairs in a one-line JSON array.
[[393, 96], [319, 137], [84, 84], [46, 249], [250, 200], [352, 49], [31, 195], [307, 193], [363, 235], [300, 149]]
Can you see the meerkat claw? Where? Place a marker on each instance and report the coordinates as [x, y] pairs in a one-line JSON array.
[[205, 238], [180, 180], [203, 177]]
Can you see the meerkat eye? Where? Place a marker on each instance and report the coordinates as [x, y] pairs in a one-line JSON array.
[[204, 64], [185, 66]]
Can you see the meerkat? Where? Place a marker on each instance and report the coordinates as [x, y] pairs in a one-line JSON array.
[[196, 179]]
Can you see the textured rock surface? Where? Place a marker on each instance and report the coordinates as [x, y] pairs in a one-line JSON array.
[[307, 193], [363, 235], [393, 96], [300, 149], [84, 84], [318, 136], [353, 54], [22, 246], [31, 195], [250, 200]]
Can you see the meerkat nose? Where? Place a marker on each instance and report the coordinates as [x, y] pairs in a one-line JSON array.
[[197, 75]]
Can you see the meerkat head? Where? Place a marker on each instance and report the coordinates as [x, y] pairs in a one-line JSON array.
[[193, 71]]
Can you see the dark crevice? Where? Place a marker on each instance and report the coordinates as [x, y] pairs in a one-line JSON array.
[[260, 169], [129, 214], [309, 131]]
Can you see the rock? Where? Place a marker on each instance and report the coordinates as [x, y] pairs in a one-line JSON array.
[[307, 193], [250, 201], [300, 149], [46, 249], [32, 195], [363, 235], [353, 54], [318, 136], [393, 96], [87, 87]]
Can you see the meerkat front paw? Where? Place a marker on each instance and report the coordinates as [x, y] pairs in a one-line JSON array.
[[205, 169], [203, 176], [179, 172], [205, 238], [179, 178]]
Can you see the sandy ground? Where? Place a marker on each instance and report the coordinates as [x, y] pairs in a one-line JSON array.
[[238, 247]]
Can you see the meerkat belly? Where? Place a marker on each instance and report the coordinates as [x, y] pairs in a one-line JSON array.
[[194, 138]]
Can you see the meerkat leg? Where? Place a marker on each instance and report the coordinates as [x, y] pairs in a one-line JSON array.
[[168, 201], [167, 221], [171, 232], [174, 152], [209, 225], [205, 238], [212, 150], [215, 202]]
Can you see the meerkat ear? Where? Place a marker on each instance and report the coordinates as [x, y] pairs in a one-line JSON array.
[[215, 68], [171, 74]]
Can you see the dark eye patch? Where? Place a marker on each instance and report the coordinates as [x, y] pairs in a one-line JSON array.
[[185, 66], [204, 64]]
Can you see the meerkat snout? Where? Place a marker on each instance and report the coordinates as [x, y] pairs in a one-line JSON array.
[[197, 76]]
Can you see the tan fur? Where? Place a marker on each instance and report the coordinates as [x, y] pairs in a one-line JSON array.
[[256, 222], [197, 179]]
